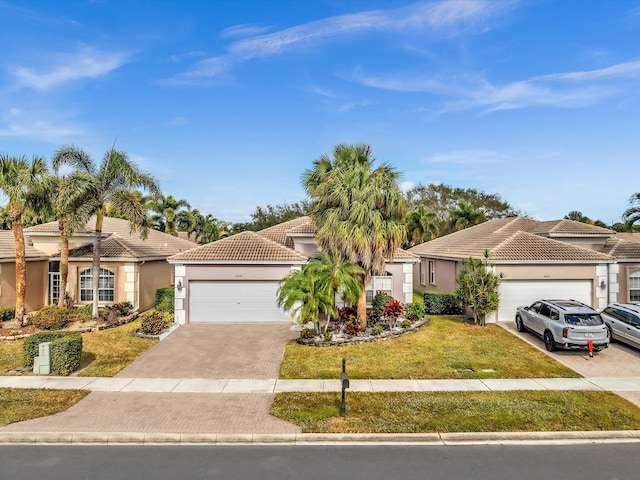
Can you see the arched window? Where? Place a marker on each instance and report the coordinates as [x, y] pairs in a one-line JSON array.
[[106, 286], [634, 285]]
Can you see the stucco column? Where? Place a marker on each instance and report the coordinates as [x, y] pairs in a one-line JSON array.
[[131, 283], [179, 278]]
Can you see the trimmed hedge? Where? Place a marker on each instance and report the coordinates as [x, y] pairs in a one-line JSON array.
[[154, 321], [66, 349], [436, 303], [164, 299]]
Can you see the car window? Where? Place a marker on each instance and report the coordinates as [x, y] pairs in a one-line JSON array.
[[554, 315], [629, 318], [536, 307], [612, 312], [544, 310], [582, 320]]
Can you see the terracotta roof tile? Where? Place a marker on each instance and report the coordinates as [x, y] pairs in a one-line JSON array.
[[8, 247], [622, 248], [526, 246], [278, 233], [569, 227], [243, 247]]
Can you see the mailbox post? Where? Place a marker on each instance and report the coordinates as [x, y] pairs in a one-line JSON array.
[[344, 379]]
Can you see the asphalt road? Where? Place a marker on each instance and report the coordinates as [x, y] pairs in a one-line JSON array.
[[507, 462]]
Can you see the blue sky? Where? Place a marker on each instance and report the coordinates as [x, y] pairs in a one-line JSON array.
[[228, 102]]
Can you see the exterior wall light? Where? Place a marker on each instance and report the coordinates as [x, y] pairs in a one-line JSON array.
[[179, 286]]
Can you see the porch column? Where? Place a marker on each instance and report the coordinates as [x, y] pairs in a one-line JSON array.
[[131, 283], [179, 277]]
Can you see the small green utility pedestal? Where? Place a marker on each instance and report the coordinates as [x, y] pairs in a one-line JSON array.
[[344, 379]]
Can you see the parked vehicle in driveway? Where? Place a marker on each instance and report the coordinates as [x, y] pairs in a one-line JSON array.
[[564, 324], [623, 322]]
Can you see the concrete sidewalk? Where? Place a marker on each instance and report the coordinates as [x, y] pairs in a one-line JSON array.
[[271, 386]]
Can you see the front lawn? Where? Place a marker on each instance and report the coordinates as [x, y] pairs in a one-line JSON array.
[[426, 412], [19, 404], [104, 353], [447, 348]]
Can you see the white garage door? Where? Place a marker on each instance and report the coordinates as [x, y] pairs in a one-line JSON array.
[[240, 301], [514, 293]]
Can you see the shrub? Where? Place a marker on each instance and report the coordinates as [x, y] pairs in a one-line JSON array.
[[406, 323], [347, 315], [84, 310], [380, 300], [308, 333], [414, 311], [122, 309], [351, 328], [164, 299], [65, 354], [328, 336], [154, 321], [377, 330], [392, 311], [66, 349], [7, 314], [436, 303], [51, 317]]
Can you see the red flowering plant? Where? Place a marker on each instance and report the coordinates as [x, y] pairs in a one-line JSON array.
[[392, 311]]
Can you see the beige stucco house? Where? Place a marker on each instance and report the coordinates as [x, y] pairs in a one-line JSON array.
[[236, 279], [131, 268], [539, 259]]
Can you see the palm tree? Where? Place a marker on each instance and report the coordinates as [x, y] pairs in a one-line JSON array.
[[111, 182], [358, 210], [23, 182], [341, 275], [166, 214], [422, 225], [187, 220], [307, 296], [632, 214], [465, 215]]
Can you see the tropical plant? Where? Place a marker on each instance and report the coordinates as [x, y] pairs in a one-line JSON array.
[[422, 225], [307, 296], [95, 185], [632, 214], [25, 184], [478, 287], [166, 213], [392, 311], [358, 210], [465, 215]]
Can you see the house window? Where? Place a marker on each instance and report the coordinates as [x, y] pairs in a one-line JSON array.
[[423, 273], [634, 285], [106, 286], [432, 272], [379, 284]]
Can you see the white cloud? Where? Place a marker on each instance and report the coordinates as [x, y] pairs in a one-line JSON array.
[[468, 157], [444, 17], [566, 90], [243, 30], [87, 62]]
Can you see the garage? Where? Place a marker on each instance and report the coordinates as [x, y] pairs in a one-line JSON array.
[[235, 301], [514, 293]]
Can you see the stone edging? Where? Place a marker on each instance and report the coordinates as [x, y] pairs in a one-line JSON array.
[[357, 340]]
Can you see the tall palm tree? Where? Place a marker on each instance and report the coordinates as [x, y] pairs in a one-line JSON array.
[[111, 182], [187, 220], [632, 214], [166, 213], [465, 215], [341, 275], [23, 182], [305, 294], [358, 209]]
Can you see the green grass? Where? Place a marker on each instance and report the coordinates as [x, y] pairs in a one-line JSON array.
[[19, 404], [104, 353], [424, 412], [445, 348]]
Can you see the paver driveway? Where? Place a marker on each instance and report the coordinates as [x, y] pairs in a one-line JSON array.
[[215, 351], [241, 351]]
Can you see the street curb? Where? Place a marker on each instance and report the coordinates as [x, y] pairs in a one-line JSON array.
[[308, 439]]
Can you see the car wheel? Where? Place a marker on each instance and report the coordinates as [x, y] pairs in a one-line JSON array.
[[520, 324], [610, 332], [549, 343]]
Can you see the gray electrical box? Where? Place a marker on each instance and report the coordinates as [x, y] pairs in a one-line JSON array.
[[42, 363]]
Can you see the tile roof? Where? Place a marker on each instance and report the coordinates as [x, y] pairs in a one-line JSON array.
[[622, 248], [278, 233], [8, 247], [632, 237], [124, 243], [566, 227], [514, 238], [244, 247]]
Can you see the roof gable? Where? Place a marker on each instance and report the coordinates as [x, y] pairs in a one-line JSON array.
[[524, 246], [8, 248], [244, 247]]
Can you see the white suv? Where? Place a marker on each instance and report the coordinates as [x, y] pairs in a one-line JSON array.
[[564, 323], [623, 321]]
